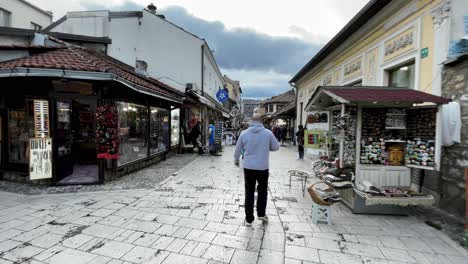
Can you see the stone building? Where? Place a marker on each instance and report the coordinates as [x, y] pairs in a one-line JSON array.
[[451, 182]]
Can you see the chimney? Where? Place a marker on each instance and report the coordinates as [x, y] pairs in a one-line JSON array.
[[152, 8], [141, 68]]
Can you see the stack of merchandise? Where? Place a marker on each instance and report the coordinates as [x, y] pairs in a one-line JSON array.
[[328, 196], [420, 152], [339, 178]]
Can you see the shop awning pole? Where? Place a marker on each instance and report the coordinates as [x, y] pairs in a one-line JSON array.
[[466, 209], [342, 138]]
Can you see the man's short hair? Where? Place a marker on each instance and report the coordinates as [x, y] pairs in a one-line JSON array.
[[257, 118]]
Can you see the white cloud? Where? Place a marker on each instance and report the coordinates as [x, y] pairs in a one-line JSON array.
[[323, 18]]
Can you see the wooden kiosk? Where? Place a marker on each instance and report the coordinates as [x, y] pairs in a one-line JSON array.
[[385, 134]]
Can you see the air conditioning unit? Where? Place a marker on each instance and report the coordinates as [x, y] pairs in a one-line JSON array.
[[191, 87]]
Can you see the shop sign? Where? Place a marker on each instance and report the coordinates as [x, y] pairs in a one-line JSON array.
[[424, 53], [40, 158], [41, 118], [400, 44], [352, 69], [222, 95]]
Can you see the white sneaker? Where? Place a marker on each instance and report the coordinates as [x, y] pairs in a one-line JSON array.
[[263, 218], [248, 224]]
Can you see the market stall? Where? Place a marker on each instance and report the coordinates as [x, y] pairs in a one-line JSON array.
[[381, 134]]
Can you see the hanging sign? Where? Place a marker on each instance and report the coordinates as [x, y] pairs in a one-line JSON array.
[[40, 158], [222, 95], [41, 118], [424, 53]]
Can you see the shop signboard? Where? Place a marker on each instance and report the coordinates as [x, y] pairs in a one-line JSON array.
[[40, 158], [41, 118]]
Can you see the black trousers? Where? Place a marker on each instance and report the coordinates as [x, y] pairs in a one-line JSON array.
[[253, 177], [301, 151]]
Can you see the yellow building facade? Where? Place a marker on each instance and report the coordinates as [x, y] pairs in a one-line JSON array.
[[396, 46]]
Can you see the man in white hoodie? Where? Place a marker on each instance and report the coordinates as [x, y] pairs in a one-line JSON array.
[[257, 142]]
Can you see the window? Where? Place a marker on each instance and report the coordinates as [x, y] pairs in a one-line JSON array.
[[35, 26], [402, 76], [278, 107], [20, 129], [356, 83], [159, 130], [5, 18], [270, 109], [132, 132]]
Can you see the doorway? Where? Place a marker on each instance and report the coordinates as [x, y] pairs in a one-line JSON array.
[[75, 135]]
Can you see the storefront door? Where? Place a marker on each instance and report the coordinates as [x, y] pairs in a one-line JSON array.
[[75, 135]]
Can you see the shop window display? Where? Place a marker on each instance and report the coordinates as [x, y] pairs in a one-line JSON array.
[[159, 130], [132, 132], [20, 129]]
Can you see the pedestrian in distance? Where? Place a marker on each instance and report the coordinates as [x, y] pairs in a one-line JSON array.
[[300, 141], [211, 133], [257, 142]]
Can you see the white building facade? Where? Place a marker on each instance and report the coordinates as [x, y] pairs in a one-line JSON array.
[[174, 56], [22, 14]]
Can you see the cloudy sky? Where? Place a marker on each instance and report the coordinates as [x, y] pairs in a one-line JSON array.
[[262, 43]]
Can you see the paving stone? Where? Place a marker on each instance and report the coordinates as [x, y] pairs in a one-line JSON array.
[[177, 245], [189, 247], [200, 249], [175, 258], [271, 257], [71, 256], [10, 233], [143, 226], [102, 212], [182, 232], [254, 245], [201, 236], [163, 242], [331, 257], [244, 257], [302, 253], [274, 241], [193, 223], [219, 253], [222, 228], [9, 245], [231, 241], [113, 249], [166, 230], [361, 249], [21, 253], [47, 240], [49, 253], [140, 254], [167, 219], [101, 231], [146, 240], [321, 243], [397, 255]]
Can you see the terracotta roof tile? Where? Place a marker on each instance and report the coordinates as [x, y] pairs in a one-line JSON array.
[[75, 58], [385, 95]]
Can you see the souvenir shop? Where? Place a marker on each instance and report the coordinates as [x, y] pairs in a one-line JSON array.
[[383, 136], [74, 131]]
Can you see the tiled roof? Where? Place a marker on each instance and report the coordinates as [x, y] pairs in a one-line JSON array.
[[76, 58], [384, 95], [282, 98]]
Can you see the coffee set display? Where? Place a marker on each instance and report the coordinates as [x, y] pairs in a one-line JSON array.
[[386, 140]]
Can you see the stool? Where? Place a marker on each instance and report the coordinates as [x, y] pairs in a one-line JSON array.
[[321, 213]]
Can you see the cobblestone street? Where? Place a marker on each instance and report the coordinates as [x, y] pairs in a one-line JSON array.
[[196, 216]]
